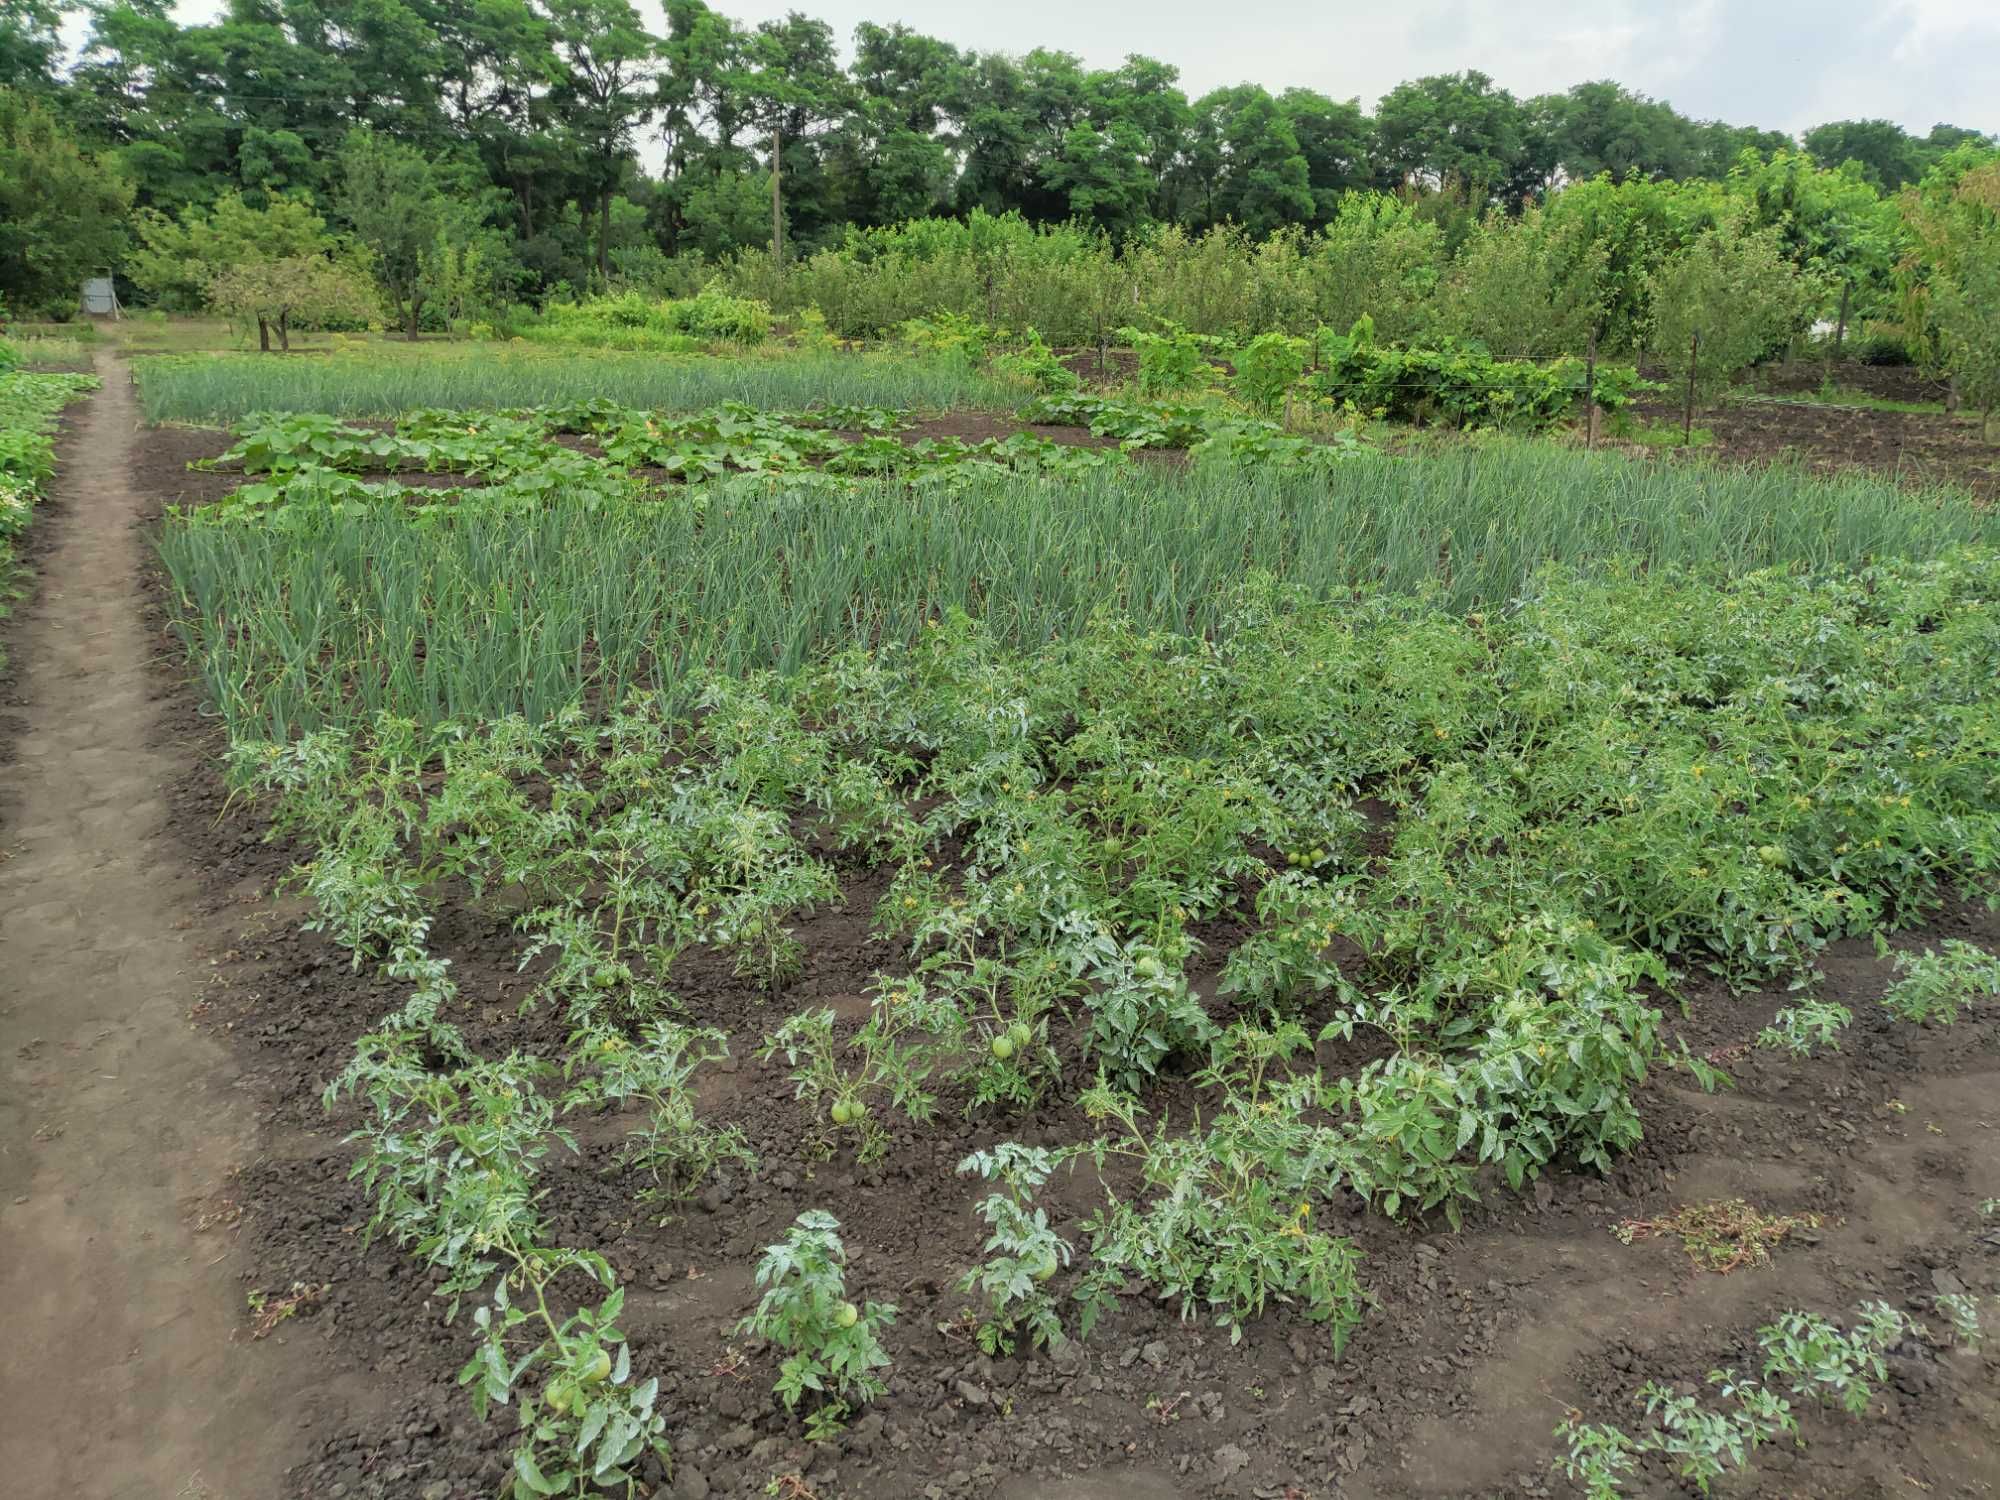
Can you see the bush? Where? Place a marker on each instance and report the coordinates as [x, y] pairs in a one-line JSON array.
[[631, 320], [1735, 288], [715, 316], [1169, 361], [1882, 346], [1461, 385], [1267, 368]]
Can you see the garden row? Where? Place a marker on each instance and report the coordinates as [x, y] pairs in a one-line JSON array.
[[1390, 886], [29, 406]]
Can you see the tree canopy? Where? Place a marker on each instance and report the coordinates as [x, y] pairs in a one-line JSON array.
[[575, 140]]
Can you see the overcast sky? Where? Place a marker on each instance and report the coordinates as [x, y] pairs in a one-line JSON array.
[[1778, 64]]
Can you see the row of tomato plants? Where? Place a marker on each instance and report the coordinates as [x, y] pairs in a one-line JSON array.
[[29, 406], [1492, 844]]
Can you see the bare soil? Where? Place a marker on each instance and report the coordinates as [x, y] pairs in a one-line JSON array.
[[126, 1371], [1919, 449]]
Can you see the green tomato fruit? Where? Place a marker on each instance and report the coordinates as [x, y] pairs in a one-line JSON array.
[[1318, 856], [599, 1369], [1771, 854], [1294, 859], [1150, 967], [560, 1397], [846, 1315], [1046, 1266], [844, 1112], [1003, 1047], [605, 977], [1021, 1034]]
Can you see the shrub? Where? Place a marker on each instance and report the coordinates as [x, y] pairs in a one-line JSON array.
[[716, 316], [1168, 362], [1461, 384], [1268, 367], [631, 320], [1735, 289]]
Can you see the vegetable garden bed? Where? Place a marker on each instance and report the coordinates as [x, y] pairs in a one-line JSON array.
[[1333, 876]]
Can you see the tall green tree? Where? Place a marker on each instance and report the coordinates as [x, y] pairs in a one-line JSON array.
[[62, 210], [178, 257], [1602, 127], [1334, 138], [394, 203], [1104, 176], [1452, 128], [605, 94], [30, 45], [1888, 155], [1260, 178]]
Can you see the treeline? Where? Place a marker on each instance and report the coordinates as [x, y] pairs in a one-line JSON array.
[[531, 118]]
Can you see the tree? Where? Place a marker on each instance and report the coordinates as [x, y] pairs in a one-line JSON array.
[[1727, 299], [1888, 155], [1334, 138], [179, 258], [391, 198], [794, 90], [1104, 176], [30, 45], [1533, 285], [1605, 128], [1144, 96], [1259, 179], [1966, 306], [1635, 223], [1452, 127], [1377, 259], [62, 211], [303, 288], [607, 91], [726, 213], [1952, 282]]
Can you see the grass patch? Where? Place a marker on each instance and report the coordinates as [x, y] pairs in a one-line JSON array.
[[1657, 435], [383, 380], [80, 331], [1831, 393], [56, 355]]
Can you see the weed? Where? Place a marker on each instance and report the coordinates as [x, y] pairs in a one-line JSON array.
[[1703, 1442], [1961, 1309], [269, 1310], [1804, 1028], [1722, 1236]]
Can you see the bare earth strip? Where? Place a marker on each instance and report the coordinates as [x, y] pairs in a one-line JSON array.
[[129, 1371]]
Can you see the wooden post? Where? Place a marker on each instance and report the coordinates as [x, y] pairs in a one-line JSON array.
[[1840, 327], [777, 204], [1687, 416], [1589, 392]]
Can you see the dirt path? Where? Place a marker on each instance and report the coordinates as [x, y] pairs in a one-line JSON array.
[[117, 1125]]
